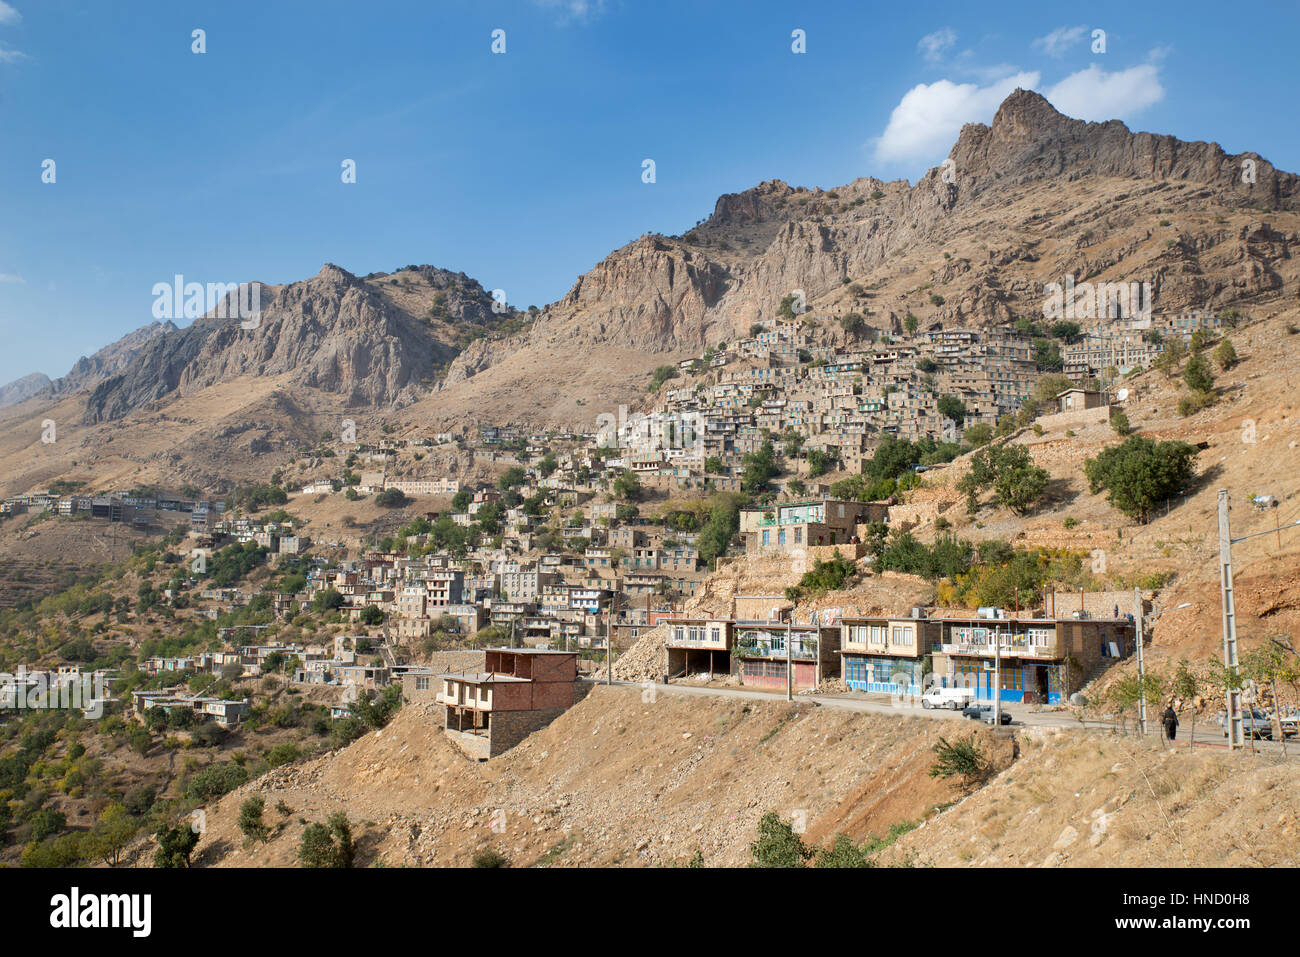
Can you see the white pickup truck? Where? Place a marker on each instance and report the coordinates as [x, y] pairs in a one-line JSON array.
[[953, 699]]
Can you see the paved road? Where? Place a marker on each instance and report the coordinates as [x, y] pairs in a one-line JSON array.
[[1210, 736]]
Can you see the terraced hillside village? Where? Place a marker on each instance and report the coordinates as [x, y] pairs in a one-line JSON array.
[[306, 562]]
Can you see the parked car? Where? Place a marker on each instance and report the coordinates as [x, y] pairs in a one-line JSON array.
[[1254, 723], [984, 712], [952, 698]]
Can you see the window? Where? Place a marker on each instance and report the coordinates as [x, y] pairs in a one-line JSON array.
[[422, 684]]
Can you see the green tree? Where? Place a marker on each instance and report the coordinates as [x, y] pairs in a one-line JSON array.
[[758, 468], [175, 845], [953, 408], [371, 615], [1197, 374], [1140, 474], [511, 477], [1187, 686], [819, 462], [460, 501], [627, 486], [328, 599], [1225, 355]]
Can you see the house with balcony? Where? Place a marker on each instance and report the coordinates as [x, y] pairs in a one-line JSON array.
[[887, 654], [807, 523], [519, 691], [698, 645], [761, 658], [1027, 660]]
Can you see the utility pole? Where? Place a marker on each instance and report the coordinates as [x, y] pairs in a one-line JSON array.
[[609, 642], [789, 667], [997, 677], [1142, 701], [1229, 623]]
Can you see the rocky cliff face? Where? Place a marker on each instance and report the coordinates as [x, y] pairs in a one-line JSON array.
[[86, 372], [345, 336], [20, 390], [1030, 140]]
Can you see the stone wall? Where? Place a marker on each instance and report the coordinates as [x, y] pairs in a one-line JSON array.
[[1065, 420]]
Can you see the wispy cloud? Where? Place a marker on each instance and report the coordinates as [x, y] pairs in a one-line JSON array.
[[11, 277], [8, 14], [1059, 40], [12, 56], [934, 45], [574, 9]]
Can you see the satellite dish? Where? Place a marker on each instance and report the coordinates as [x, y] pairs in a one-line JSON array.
[[1122, 394]]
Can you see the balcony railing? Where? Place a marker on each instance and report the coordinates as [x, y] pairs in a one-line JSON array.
[[775, 649], [719, 645], [1008, 649]]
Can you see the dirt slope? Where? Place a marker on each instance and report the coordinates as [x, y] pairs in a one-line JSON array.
[[1093, 801], [616, 780]]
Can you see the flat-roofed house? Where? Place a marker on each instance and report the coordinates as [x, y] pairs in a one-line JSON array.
[[519, 691], [886, 654]]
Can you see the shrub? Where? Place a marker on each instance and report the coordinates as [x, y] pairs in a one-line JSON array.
[[963, 759], [843, 853], [215, 780], [487, 857], [251, 824], [327, 845], [1191, 404], [778, 845]]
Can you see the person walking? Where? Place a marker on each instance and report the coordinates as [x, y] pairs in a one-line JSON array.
[[1170, 721]]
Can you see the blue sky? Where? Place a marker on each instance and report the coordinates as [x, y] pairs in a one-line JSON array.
[[523, 169]]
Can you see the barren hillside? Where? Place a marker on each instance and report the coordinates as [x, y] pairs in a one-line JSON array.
[[631, 778]]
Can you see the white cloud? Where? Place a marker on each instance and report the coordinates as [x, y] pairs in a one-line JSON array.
[[8, 14], [1059, 40], [930, 115], [1094, 94], [9, 277], [934, 45], [11, 56]]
